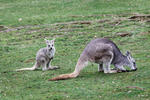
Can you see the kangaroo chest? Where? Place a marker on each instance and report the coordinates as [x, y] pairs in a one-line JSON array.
[[51, 53]]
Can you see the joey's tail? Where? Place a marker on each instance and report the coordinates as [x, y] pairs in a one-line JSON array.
[[22, 69], [80, 65], [32, 68]]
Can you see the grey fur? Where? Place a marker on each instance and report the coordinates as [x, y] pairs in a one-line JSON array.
[[104, 52], [43, 57]]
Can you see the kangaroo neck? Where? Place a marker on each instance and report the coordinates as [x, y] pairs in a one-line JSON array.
[[50, 53], [118, 58]]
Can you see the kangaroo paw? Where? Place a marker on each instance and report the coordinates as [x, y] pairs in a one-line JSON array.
[[119, 71], [53, 67], [100, 70], [112, 71]]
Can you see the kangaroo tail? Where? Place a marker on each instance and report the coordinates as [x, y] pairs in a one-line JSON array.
[[80, 65], [64, 76], [22, 69], [36, 65], [32, 68]]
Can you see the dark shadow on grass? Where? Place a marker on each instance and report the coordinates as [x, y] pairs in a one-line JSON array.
[[7, 71]]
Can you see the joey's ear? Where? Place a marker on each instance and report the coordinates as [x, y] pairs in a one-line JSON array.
[[53, 40], [47, 41]]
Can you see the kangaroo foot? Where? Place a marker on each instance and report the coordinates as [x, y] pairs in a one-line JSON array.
[[119, 71], [100, 70], [111, 71], [53, 67]]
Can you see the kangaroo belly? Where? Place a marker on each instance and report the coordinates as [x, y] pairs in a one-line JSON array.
[[99, 52], [103, 58]]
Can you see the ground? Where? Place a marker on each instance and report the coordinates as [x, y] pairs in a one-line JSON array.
[[24, 24]]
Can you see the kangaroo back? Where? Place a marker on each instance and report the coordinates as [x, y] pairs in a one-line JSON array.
[[116, 51]]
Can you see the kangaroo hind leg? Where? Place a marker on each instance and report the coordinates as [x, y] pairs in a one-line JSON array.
[[100, 68], [51, 67]]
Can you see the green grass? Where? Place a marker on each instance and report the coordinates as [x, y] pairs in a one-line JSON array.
[[20, 40], [35, 12]]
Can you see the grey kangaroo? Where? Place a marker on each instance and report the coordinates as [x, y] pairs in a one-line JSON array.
[[44, 57], [104, 52]]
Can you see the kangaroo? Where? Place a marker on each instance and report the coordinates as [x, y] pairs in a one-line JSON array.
[[104, 52], [44, 57]]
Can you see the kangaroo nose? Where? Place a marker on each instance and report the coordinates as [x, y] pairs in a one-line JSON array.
[[50, 49]]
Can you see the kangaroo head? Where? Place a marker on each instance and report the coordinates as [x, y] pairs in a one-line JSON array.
[[50, 44], [131, 61]]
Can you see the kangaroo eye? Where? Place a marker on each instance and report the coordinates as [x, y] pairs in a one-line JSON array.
[[134, 63], [48, 45], [52, 45]]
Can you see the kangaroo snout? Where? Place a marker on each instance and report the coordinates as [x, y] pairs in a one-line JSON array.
[[134, 69], [50, 48]]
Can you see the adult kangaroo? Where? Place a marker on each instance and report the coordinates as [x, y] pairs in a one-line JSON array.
[[104, 52]]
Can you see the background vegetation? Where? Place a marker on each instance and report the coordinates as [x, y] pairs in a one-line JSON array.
[[25, 23]]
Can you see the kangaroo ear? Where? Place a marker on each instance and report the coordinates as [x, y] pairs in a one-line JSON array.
[[128, 53], [53, 40], [47, 41]]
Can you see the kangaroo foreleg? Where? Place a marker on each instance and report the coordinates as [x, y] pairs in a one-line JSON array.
[[107, 68], [107, 63]]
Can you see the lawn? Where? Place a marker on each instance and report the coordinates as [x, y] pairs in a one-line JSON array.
[[25, 23]]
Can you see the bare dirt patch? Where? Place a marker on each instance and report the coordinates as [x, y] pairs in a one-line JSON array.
[[140, 18], [144, 33], [77, 25], [123, 34], [30, 60]]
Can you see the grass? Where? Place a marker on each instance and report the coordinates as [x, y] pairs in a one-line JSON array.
[[35, 12], [20, 40]]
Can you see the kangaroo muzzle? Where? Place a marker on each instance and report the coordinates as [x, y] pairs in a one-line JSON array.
[[134, 69]]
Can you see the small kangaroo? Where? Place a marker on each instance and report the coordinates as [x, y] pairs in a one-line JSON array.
[[44, 57], [104, 52]]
